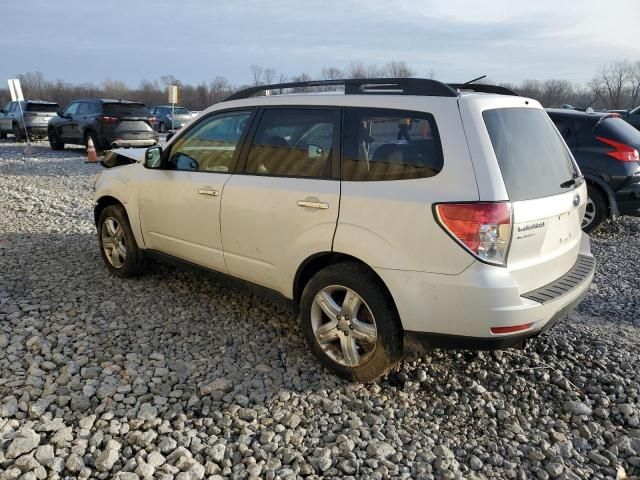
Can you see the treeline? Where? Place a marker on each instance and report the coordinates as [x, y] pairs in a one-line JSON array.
[[614, 86]]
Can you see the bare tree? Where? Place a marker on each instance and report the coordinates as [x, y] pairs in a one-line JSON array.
[[269, 75], [634, 83], [257, 72], [397, 70], [219, 89], [555, 92], [356, 70], [610, 81], [331, 73]]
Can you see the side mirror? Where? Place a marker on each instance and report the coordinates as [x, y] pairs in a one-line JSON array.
[[60, 113], [153, 157], [314, 152]]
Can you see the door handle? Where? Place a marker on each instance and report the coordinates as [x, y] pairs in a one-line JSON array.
[[310, 204], [208, 191]]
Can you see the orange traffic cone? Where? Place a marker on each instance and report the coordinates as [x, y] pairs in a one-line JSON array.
[[92, 156]]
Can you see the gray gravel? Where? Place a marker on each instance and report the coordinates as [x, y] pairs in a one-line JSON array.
[[172, 375]]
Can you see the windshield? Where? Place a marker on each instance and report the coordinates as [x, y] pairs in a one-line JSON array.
[[533, 158], [125, 109]]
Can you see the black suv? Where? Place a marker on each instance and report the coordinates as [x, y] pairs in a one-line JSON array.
[[606, 149], [109, 123]]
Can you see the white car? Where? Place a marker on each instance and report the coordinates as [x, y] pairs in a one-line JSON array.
[[403, 214]]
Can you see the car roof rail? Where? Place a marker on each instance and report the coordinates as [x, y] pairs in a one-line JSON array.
[[360, 86], [483, 88]]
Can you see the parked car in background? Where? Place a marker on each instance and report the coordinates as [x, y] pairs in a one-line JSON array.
[[606, 149], [37, 114], [109, 123], [633, 117], [434, 215], [195, 113], [170, 118]]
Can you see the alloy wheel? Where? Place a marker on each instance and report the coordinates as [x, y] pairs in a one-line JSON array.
[[589, 213], [343, 325], [113, 242]]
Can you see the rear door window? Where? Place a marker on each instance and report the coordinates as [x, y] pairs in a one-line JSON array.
[[533, 159], [382, 144], [292, 143]]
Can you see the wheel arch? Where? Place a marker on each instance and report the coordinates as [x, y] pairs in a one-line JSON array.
[[313, 264], [608, 193], [104, 202]]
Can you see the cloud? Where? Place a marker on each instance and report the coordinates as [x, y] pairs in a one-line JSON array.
[[197, 40]]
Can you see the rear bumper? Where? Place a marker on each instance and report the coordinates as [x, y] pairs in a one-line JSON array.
[[417, 342], [628, 199], [482, 306], [124, 143]]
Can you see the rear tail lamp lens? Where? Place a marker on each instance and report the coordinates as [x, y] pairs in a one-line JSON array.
[[107, 119], [621, 152], [484, 229]]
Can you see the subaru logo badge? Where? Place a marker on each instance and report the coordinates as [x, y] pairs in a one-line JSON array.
[[576, 200]]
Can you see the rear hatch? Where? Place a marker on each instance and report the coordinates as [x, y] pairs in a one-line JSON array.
[[39, 114], [132, 120], [539, 178], [180, 116], [620, 138]]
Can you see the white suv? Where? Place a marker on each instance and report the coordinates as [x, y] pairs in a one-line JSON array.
[[402, 214]]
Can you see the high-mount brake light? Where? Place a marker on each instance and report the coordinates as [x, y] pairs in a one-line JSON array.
[[621, 152], [482, 228]]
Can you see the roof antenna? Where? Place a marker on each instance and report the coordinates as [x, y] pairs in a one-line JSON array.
[[474, 80]]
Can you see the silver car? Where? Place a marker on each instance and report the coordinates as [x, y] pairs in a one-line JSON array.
[[170, 118], [36, 117]]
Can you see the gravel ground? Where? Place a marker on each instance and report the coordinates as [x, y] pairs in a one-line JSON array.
[[173, 375]]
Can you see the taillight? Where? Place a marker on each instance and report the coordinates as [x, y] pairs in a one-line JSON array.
[[152, 120], [621, 152], [484, 229], [107, 119]]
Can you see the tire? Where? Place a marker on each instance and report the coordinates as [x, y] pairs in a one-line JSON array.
[[54, 140], [114, 233], [597, 210], [377, 320], [16, 132], [90, 134], [162, 128]]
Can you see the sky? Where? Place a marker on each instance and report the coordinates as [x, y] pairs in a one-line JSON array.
[[196, 40]]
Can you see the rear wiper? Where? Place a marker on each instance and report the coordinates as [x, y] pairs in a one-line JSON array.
[[577, 180]]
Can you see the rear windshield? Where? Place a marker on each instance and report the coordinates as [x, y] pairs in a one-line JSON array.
[[125, 109], [42, 107], [533, 158], [615, 128], [180, 111]]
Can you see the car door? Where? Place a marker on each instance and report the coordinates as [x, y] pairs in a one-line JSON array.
[[65, 126], [180, 203], [282, 206], [5, 118]]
